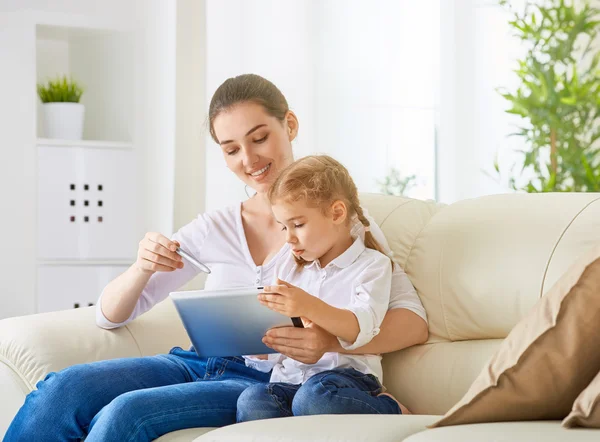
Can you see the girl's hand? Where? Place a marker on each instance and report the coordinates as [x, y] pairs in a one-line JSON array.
[[306, 345], [287, 299], [156, 253]]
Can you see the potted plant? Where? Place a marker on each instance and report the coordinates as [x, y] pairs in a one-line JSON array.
[[397, 184], [558, 97], [63, 115]]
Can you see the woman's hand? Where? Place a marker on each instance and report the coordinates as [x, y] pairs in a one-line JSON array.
[[306, 345], [156, 253], [287, 299]]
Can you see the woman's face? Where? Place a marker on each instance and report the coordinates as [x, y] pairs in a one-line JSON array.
[[256, 146]]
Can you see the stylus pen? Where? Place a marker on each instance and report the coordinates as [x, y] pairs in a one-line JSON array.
[[193, 260]]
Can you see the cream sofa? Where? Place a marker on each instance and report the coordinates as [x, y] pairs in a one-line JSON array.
[[479, 265]]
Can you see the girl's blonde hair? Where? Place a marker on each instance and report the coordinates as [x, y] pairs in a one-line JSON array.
[[319, 181]]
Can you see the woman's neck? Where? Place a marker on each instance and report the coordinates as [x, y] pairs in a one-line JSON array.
[[258, 204]]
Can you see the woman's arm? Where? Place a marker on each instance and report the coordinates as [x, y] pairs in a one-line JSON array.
[[401, 328], [120, 297]]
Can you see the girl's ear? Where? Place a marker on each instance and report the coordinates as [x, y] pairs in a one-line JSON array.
[[339, 212]]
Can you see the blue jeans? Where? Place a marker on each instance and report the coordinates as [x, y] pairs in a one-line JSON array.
[[340, 391], [134, 399]]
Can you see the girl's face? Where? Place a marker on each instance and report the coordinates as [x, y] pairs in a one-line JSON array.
[[310, 233], [256, 146]]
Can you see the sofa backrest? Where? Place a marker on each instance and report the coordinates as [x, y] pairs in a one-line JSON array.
[[479, 266]]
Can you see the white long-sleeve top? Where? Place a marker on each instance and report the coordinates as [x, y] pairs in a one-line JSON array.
[[217, 239], [359, 280]]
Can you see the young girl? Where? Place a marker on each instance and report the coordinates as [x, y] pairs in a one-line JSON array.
[[333, 280]]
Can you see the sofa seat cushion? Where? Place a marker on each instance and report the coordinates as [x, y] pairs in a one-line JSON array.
[[330, 428], [184, 435], [586, 408], [532, 431]]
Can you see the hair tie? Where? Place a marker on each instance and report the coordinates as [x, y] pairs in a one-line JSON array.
[[367, 228]]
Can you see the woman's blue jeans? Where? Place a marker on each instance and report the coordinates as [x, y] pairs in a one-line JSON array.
[[134, 399], [340, 391]]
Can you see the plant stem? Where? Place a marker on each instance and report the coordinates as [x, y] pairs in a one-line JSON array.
[[553, 153]]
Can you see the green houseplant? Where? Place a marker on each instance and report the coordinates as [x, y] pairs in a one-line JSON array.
[[558, 97], [63, 114], [396, 184]]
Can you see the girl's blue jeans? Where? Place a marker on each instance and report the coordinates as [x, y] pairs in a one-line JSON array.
[[340, 391], [134, 399]]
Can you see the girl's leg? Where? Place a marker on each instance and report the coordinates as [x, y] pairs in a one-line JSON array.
[[266, 401], [342, 391]]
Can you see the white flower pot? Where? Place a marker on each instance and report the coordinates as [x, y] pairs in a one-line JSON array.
[[64, 120]]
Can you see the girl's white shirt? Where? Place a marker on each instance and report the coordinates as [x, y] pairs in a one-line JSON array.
[[358, 280], [218, 240]]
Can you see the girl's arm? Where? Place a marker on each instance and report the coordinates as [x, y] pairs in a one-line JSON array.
[[401, 328], [339, 322], [354, 325]]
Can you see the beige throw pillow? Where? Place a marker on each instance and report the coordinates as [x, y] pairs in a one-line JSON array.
[[586, 409], [548, 358]]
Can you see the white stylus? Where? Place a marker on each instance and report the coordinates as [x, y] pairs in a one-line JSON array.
[[193, 260]]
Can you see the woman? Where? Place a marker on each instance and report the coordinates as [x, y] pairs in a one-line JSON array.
[[144, 398]]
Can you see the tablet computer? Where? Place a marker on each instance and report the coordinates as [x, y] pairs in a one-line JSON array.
[[230, 322]]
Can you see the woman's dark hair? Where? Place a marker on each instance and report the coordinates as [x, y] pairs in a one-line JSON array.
[[243, 89]]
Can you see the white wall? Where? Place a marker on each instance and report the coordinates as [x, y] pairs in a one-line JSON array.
[[353, 71], [190, 112], [269, 38]]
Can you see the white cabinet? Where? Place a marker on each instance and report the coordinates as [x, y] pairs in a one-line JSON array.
[[87, 203], [62, 287]]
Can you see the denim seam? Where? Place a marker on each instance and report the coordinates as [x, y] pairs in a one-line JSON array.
[[190, 377], [223, 367], [161, 414], [349, 398], [280, 405]]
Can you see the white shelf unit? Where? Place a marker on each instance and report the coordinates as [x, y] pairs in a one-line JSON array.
[[123, 53], [84, 143], [102, 62], [87, 211]]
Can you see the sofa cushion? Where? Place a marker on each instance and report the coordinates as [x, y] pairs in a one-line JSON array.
[[586, 409], [546, 360], [187, 435], [546, 431], [330, 428]]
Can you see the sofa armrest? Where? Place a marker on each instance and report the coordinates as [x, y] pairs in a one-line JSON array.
[[33, 346]]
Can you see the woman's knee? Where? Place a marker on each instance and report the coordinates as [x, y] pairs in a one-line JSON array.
[[40, 410], [255, 403], [67, 387]]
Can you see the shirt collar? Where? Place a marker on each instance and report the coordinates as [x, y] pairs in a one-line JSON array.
[[347, 257]]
